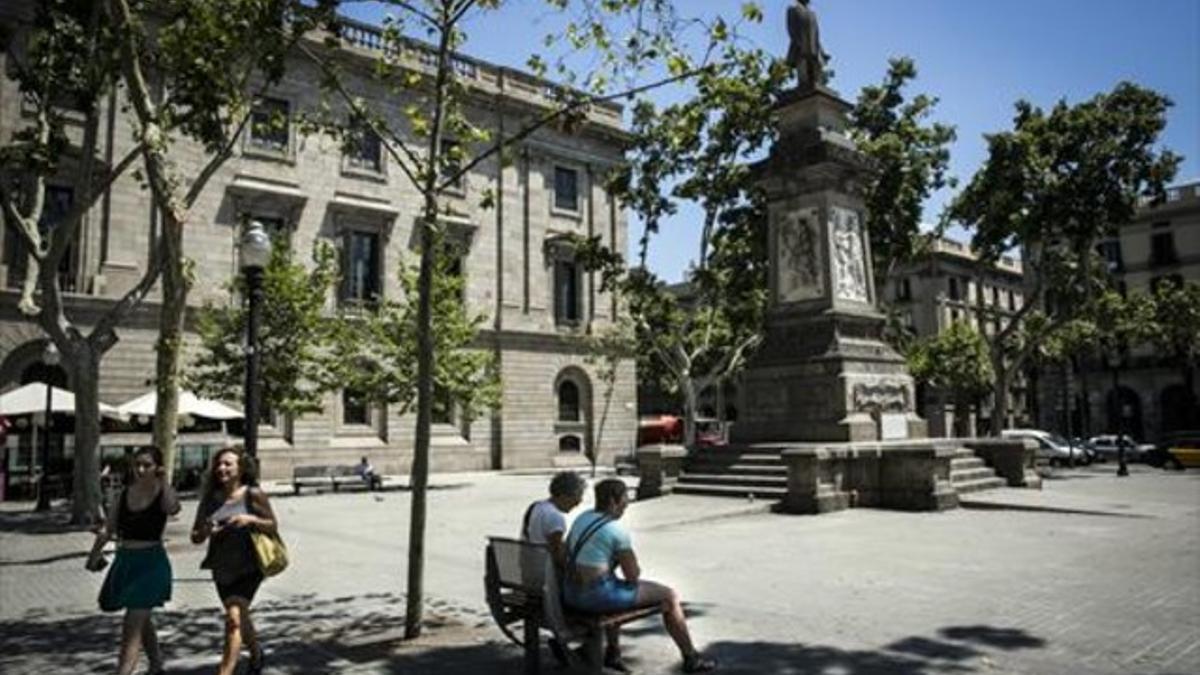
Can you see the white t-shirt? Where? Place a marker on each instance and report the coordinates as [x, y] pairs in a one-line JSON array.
[[544, 521]]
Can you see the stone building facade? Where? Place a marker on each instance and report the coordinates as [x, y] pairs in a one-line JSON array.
[[947, 286], [1150, 397], [518, 267]]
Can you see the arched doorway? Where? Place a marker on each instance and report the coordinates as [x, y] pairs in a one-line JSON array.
[[1125, 413], [1178, 408]]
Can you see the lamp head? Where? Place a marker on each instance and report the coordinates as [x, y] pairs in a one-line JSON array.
[[256, 247], [50, 354]]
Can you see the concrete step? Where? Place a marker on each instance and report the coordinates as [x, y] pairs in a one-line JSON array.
[[728, 456], [690, 478], [979, 484], [966, 463], [730, 490], [967, 475], [738, 468]]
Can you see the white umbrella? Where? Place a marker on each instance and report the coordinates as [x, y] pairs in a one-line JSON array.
[[189, 404], [31, 398]]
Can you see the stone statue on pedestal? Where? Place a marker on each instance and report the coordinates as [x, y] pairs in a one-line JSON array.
[[804, 52]]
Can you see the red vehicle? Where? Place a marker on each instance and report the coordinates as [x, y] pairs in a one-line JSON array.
[[665, 429], [668, 429]]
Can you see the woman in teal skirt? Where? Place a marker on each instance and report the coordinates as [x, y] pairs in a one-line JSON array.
[[140, 576]]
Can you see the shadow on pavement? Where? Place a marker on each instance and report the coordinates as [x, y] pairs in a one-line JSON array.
[[983, 503], [27, 521], [303, 634], [960, 650]]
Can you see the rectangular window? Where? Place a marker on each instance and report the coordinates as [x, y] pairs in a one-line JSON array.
[[364, 149], [269, 121], [566, 292], [904, 290], [354, 408], [1111, 252], [451, 164], [954, 288], [566, 189], [360, 275], [443, 406], [58, 201], [1162, 249], [1012, 301]]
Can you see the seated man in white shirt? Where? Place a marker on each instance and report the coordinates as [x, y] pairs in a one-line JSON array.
[[545, 522], [367, 473]]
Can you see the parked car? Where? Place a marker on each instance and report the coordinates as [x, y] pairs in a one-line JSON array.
[[1176, 451], [1053, 448], [1107, 446]]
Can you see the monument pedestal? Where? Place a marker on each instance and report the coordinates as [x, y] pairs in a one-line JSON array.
[[823, 372]]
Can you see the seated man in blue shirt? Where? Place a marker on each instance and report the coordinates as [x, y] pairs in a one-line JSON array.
[[597, 546]]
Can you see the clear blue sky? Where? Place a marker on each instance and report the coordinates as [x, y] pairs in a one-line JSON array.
[[977, 56]]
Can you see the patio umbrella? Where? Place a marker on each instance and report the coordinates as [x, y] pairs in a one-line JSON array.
[[189, 404], [31, 398]]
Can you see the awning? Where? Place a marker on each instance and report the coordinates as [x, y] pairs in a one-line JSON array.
[[189, 404], [31, 398]]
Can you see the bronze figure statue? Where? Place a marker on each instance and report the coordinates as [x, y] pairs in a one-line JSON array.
[[804, 52]]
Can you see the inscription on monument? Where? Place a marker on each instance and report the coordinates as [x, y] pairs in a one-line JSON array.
[[799, 255], [880, 397], [850, 259]]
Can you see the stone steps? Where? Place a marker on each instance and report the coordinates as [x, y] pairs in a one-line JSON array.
[[741, 472]]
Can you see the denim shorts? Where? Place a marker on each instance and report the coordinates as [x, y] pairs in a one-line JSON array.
[[606, 594]]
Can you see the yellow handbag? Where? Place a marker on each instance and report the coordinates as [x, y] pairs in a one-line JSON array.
[[270, 552]]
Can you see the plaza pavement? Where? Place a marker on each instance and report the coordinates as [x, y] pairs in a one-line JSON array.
[[1093, 574]]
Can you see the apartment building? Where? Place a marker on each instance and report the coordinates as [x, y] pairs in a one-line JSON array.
[[519, 268]]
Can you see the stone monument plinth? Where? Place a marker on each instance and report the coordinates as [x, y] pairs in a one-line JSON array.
[[823, 372]]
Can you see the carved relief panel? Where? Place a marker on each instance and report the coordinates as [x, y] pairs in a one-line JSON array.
[[849, 256], [798, 255]]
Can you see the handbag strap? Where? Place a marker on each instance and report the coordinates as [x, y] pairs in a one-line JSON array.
[[525, 521]]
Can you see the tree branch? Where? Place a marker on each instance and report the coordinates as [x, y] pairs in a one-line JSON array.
[[132, 298], [214, 163]]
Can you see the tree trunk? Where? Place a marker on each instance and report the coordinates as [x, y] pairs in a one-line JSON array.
[[690, 402], [170, 341], [420, 466], [85, 490], [999, 401]]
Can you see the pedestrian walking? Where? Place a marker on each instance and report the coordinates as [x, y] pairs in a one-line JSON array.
[[231, 507], [139, 578]]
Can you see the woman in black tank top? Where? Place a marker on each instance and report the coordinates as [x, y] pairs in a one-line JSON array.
[[140, 577]]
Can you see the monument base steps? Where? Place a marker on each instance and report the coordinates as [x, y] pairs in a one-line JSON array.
[[742, 471]]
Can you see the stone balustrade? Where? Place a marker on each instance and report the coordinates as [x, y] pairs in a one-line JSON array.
[[659, 467], [1014, 459], [907, 476]]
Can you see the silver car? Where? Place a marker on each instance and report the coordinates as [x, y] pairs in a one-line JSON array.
[[1052, 448], [1106, 447]]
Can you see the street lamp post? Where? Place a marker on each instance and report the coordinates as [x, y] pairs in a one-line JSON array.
[[254, 254], [50, 358], [1118, 408]]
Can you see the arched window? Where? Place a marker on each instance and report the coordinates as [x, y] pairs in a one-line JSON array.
[[568, 401], [569, 443]]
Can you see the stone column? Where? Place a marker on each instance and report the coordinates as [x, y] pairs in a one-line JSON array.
[[658, 468], [823, 372]]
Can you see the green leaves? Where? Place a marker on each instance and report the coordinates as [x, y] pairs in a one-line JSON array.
[[957, 360], [379, 348], [912, 156], [297, 339]]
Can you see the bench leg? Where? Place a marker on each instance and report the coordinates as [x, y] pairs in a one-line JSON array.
[[593, 650], [532, 647]]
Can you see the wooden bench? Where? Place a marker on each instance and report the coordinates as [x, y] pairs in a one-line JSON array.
[[521, 586], [331, 476]]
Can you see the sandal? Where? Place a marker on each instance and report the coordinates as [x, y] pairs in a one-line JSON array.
[[698, 664], [612, 661], [256, 661]]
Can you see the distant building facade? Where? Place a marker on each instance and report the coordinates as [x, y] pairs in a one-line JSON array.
[[518, 265], [1150, 398], [950, 285]]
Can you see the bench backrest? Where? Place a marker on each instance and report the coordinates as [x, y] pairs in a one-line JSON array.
[[342, 471], [311, 471], [527, 567]]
